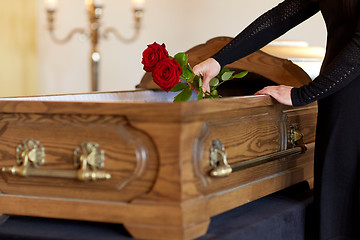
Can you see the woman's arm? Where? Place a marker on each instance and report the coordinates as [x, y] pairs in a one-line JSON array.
[[344, 68], [263, 30], [266, 28]]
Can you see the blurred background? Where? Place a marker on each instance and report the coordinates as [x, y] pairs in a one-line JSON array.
[[31, 63]]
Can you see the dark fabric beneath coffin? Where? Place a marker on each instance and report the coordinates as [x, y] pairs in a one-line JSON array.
[[284, 215]]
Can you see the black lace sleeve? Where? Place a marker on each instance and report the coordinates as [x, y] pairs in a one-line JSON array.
[[344, 68], [266, 28]]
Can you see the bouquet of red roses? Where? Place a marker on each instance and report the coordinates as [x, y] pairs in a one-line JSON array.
[[175, 74]]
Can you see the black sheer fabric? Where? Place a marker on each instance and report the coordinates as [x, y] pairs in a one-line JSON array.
[[266, 28], [276, 22], [339, 73], [337, 151]]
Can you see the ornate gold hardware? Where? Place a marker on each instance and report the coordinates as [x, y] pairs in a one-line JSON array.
[[296, 138], [87, 159], [221, 168], [218, 160], [28, 154]]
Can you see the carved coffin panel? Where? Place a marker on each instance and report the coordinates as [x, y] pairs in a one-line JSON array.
[[253, 134], [130, 160]]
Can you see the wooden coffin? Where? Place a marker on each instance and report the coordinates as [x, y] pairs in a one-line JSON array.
[[162, 169]]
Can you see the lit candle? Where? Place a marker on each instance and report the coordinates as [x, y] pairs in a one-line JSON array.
[[51, 5], [138, 4], [96, 3]]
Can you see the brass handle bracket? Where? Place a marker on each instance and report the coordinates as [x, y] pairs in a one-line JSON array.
[[28, 154], [218, 160], [221, 167], [296, 138], [88, 158]]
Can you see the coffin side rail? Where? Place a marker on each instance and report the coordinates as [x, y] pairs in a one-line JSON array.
[[221, 167]]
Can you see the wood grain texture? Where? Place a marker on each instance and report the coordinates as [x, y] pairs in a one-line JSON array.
[[174, 195], [130, 156]]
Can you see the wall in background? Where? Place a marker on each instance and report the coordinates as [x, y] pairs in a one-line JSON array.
[[180, 24], [18, 48]]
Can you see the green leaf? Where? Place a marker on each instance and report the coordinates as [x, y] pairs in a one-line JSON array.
[[178, 87], [241, 75], [224, 70], [197, 83], [190, 68], [214, 82], [200, 95], [182, 59], [186, 73], [184, 96], [215, 93], [227, 75]]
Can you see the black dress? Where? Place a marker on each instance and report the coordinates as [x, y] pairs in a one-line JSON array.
[[337, 90]]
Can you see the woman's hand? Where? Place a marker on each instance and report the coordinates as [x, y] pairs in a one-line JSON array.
[[208, 69], [281, 93]]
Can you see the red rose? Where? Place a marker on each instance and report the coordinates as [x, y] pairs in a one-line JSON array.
[[153, 55], [167, 74]]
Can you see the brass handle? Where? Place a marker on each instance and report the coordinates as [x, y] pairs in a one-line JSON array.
[[87, 160], [221, 168]]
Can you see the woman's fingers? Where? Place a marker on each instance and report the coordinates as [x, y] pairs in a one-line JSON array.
[[281, 93], [208, 69]]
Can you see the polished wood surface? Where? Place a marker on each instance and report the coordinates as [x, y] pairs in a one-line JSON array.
[[61, 134], [160, 150]]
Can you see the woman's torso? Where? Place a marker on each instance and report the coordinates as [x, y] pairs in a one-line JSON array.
[[341, 26]]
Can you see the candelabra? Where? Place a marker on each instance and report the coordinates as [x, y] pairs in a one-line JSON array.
[[95, 31]]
